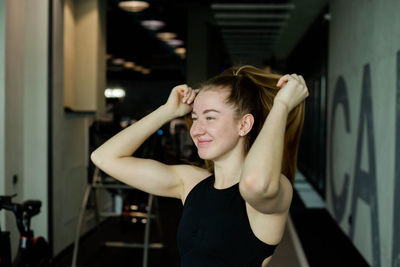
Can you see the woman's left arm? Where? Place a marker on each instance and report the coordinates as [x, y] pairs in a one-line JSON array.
[[262, 184]]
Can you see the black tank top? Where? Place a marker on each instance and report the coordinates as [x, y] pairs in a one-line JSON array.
[[214, 229]]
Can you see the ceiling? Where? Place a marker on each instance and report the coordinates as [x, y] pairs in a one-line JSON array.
[[252, 31]]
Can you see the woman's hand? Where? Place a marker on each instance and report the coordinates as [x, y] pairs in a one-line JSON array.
[[180, 100], [293, 90]]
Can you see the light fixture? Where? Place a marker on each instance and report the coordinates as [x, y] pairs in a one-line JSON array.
[[129, 65], [109, 56], [181, 51], [145, 71], [175, 42], [114, 93], [138, 68], [133, 6], [153, 25], [118, 61], [327, 16], [165, 36]]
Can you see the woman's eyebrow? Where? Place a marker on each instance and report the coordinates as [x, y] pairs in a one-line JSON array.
[[210, 110], [207, 110]]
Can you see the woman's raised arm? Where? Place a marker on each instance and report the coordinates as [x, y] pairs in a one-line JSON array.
[[115, 155], [262, 184]]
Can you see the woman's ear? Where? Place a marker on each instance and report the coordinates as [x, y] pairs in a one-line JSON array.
[[246, 124]]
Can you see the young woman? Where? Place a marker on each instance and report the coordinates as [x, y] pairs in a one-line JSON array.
[[246, 125]]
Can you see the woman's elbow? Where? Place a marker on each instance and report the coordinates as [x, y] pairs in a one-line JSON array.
[[96, 158], [259, 187]]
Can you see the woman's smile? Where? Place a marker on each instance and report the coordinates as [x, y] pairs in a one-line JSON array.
[[203, 143]]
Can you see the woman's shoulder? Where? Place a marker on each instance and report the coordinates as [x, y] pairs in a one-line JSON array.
[[191, 172], [190, 176]]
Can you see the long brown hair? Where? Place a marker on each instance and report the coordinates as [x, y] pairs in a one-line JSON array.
[[253, 91]]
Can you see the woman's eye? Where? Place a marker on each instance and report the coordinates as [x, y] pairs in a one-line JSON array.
[[195, 119], [209, 118]]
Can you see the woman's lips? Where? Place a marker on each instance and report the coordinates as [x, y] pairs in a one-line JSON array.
[[203, 142]]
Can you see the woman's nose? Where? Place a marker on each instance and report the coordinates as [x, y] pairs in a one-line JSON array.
[[197, 128]]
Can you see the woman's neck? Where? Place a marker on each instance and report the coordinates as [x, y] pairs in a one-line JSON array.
[[227, 170]]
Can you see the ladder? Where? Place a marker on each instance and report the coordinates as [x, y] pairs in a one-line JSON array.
[[97, 184]]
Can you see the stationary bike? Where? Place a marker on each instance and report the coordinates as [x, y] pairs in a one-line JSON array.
[[31, 251]]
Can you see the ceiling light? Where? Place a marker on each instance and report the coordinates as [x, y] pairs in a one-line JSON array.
[[175, 42], [165, 36], [109, 56], [145, 71], [153, 25], [181, 51], [138, 68], [129, 65], [118, 61], [133, 6]]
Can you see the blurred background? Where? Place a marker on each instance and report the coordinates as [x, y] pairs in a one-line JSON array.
[[75, 72]]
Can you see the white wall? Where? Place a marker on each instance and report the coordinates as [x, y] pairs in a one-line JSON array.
[[362, 114], [2, 100], [14, 107], [35, 109], [25, 98]]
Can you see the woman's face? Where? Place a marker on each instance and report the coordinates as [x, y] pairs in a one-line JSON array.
[[215, 131]]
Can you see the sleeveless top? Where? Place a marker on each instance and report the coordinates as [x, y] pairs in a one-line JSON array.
[[214, 229]]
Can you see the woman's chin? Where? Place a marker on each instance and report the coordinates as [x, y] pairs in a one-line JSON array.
[[204, 156]]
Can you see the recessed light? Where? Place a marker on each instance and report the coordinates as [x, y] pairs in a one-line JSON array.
[[145, 71], [133, 6], [181, 51], [165, 36], [153, 25], [138, 68], [118, 61], [129, 64], [175, 42]]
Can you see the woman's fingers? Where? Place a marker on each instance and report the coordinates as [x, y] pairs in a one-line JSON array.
[[189, 95], [283, 80], [302, 80], [185, 92], [294, 75], [286, 78], [192, 96]]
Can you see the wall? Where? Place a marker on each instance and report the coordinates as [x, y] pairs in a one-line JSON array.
[[25, 107], [84, 49], [2, 100], [363, 126], [70, 130], [35, 109], [24, 113]]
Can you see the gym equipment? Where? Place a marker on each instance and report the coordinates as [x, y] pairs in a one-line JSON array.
[[31, 251]]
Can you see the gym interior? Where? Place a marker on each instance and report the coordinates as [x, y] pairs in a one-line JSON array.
[[73, 73]]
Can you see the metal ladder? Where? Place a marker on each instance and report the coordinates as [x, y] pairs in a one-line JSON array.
[[98, 184]]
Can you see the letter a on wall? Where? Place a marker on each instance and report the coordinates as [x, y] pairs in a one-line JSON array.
[[364, 187]]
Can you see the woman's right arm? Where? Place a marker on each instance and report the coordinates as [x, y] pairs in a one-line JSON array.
[[115, 156]]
